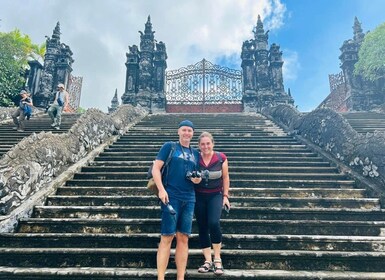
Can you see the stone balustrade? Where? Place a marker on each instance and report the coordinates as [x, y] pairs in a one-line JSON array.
[[36, 160], [6, 113]]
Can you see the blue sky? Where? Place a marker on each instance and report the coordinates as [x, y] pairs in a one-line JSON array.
[[309, 32]]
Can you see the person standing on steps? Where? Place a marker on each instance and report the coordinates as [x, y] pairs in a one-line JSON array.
[[212, 195], [24, 101], [177, 197], [56, 109]]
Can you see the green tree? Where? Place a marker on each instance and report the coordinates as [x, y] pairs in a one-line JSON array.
[[371, 56], [15, 50]]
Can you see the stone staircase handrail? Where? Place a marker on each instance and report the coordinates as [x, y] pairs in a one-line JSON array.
[[31, 164]]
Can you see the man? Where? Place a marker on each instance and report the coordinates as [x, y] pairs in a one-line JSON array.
[[56, 109], [24, 101], [177, 191]]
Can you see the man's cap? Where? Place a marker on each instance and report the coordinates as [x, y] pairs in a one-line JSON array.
[[60, 86], [186, 123]]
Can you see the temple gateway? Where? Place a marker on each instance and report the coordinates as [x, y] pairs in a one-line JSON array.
[[208, 88]]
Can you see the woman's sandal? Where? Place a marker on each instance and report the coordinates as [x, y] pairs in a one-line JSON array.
[[205, 267], [218, 270]]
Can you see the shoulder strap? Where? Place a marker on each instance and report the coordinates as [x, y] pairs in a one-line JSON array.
[[219, 156], [164, 167], [173, 147]]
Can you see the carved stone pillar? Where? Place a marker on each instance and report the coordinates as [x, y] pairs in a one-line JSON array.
[[132, 76]]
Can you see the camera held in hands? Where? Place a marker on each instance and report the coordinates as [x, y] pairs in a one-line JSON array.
[[193, 174]]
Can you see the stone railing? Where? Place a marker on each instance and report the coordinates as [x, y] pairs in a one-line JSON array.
[[33, 163], [6, 113], [364, 154]]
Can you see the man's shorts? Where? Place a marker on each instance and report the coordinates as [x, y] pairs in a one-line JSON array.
[[181, 221]]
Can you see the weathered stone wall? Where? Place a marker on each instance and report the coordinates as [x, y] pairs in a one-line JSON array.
[[33, 163], [365, 154], [6, 113]]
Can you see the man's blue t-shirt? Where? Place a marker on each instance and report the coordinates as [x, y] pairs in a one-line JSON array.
[[182, 160]]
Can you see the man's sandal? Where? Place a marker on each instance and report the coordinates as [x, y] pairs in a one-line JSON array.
[[205, 267], [218, 270]]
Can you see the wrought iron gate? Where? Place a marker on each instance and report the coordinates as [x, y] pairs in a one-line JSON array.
[[203, 87]]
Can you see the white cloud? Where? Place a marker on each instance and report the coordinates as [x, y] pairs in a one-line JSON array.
[[99, 33], [291, 65]]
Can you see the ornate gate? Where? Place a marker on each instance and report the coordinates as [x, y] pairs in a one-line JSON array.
[[203, 87]]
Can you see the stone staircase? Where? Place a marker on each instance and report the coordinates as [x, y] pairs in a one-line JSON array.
[[37, 123], [364, 122], [293, 216]]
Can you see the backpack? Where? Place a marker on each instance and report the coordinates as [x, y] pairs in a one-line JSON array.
[[27, 112], [151, 183]]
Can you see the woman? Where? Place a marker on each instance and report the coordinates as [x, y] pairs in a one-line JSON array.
[[212, 194], [20, 111]]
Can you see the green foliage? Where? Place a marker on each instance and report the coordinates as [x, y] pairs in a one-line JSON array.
[[15, 49], [371, 62], [81, 110]]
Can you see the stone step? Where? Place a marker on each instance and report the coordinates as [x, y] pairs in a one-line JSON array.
[[234, 175], [231, 226], [266, 159], [230, 241], [244, 192], [246, 157], [156, 147], [101, 273], [308, 202], [238, 183], [265, 152], [317, 162], [228, 146], [36, 124], [146, 258], [226, 139], [260, 213], [237, 169], [256, 150]]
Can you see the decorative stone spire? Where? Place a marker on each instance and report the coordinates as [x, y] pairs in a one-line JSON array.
[[56, 32], [148, 26], [261, 37], [358, 35], [114, 103], [147, 42]]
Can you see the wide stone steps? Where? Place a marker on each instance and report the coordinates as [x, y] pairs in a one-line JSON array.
[[241, 212], [146, 258], [233, 226], [294, 215], [9, 137], [230, 241], [267, 183], [363, 203], [236, 175], [364, 122], [244, 192], [255, 169], [238, 163], [151, 274]]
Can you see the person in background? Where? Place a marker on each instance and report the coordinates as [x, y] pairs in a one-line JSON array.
[[56, 109], [212, 195], [24, 101], [177, 198]]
